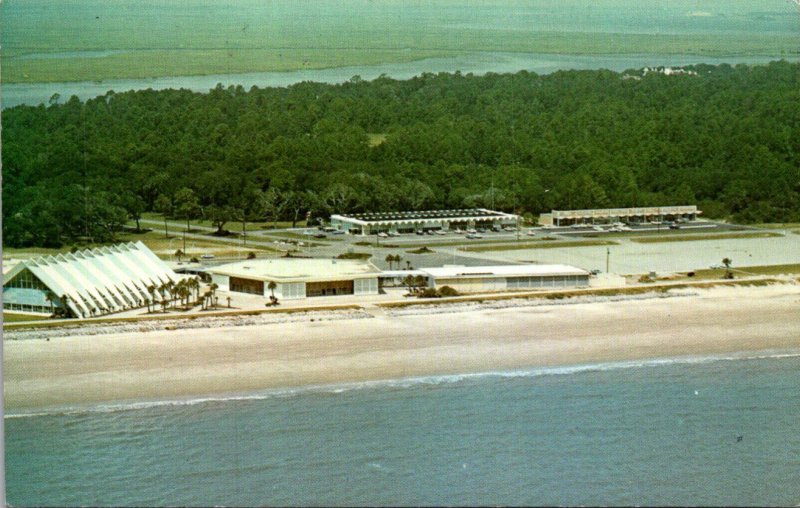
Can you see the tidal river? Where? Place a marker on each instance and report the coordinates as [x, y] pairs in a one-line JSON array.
[[477, 63]]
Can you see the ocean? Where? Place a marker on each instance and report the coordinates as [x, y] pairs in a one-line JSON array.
[[696, 431]]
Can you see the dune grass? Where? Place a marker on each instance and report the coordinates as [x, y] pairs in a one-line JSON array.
[[10, 317], [719, 273]]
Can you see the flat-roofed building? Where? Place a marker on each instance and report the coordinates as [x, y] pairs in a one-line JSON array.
[[477, 279], [608, 215], [87, 283], [297, 277], [428, 220]]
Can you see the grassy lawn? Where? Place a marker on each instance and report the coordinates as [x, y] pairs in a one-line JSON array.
[[779, 225], [175, 225], [354, 255], [20, 318], [155, 241], [698, 237], [529, 245]]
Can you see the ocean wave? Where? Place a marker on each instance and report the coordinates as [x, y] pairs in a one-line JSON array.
[[410, 382]]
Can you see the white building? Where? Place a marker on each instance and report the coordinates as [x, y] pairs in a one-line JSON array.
[[478, 279], [297, 277], [605, 215], [88, 283], [428, 220]]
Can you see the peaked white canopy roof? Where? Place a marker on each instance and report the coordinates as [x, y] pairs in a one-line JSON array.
[[101, 280]]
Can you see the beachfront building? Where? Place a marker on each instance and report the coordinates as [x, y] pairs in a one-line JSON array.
[[429, 220], [478, 279], [626, 215], [297, 277], [87, 283]]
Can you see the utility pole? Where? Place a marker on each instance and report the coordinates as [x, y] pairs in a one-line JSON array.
[[608, 255], [184, 242]]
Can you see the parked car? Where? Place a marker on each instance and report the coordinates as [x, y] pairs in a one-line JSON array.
[[207, 256], [674, 226], [320, 235], [441, 232], [420, 232], [531, 232], [383, 235], [472, 236], [338, 232], [394, 233]]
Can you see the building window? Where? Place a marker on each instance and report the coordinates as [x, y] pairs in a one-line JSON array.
[[329, 288], [253, 287], [26, 280]]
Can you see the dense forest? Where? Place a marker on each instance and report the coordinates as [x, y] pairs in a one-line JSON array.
[[726, 139]]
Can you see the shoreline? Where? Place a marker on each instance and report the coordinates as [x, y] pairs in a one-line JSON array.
[[186, 363]]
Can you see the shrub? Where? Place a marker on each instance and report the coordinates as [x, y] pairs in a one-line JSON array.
[[447, 291]]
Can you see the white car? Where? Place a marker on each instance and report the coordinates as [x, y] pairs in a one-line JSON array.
[[441, 232], [598, 228], [531, 232], [394, 233], [383, 235]]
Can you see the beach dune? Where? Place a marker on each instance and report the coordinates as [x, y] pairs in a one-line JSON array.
[[77, 370]]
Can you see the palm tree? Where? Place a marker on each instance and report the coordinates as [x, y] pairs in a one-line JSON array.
[[420, 282], [271, 286], [213, 288], [408, 265], [65, 303], [229, 302], [147, 302], [50, 296], [390, 260], [397, 259], [179, 254], [727, 262], [408, 282]]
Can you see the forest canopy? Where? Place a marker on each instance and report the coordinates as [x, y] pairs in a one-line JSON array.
[[726, 138]]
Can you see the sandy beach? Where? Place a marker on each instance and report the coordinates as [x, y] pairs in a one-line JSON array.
[[165, 364]]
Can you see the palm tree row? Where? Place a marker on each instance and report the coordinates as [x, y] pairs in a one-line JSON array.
[[393, 259], [184, 292]]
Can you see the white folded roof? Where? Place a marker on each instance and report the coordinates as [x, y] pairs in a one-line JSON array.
[[104, 279]]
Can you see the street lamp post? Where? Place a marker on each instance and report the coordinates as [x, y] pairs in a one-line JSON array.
[[608, 255]]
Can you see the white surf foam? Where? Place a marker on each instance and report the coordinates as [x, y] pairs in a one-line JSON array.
[[411, 382]]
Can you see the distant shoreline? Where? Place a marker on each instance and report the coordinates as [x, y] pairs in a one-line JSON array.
[[181, 363], [19, 91]]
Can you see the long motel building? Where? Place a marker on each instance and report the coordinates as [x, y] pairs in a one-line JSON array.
[[478, 279], [429, 220], [627, 215], [87, 283]]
